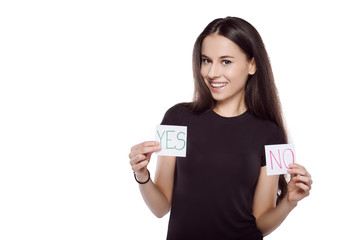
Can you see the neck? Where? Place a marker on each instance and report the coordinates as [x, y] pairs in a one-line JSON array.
[[230, 109]]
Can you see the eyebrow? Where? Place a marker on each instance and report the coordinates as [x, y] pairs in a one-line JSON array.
[[225, 56]]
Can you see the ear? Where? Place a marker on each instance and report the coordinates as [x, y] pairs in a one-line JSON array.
[[252, 67]]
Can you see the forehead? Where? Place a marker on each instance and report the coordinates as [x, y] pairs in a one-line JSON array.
[[216, 45]]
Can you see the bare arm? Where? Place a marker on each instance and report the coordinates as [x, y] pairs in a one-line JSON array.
[[156, 194], [268, 215]]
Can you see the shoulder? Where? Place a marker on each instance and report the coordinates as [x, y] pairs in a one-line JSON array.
[[174, 114], [269, 131], [178, 109]]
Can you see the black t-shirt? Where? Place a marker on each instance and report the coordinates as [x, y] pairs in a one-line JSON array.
[[214, 184]]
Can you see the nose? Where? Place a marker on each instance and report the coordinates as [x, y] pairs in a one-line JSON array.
[[214, 71]]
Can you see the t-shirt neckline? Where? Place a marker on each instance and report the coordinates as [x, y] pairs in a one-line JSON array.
[[242, 115]]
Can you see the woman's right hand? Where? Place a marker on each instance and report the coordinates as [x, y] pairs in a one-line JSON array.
[[140, 155]]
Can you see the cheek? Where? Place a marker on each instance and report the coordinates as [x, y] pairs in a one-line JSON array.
[[203, 72], [236, 75]]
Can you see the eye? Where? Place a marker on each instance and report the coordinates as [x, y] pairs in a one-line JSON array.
[[206, 60], [226, 62]]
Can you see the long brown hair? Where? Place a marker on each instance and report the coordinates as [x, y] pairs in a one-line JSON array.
[[261, 96]]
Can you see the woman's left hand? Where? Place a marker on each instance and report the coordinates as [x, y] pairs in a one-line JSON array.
[[300, 183]]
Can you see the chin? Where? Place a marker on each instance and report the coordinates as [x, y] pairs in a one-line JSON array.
[[218, 98]]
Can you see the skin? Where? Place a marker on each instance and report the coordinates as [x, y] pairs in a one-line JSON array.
[[223, 63]]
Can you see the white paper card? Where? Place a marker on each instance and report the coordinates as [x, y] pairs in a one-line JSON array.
[[172, 139], [278, 158]]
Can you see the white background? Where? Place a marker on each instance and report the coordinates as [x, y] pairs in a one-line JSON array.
[[83, 81]]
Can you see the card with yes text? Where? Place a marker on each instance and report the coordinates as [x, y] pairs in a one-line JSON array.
[[172, 139]]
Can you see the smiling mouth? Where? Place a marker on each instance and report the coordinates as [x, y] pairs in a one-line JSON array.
[[218, 85]]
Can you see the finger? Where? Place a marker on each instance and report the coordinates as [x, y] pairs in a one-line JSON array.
[[135, 149], [304, 180], [144, 144], [298, 166], [139, 166], [295, 165], [137, 159], [303, 187], [147, 150], [298, 171]]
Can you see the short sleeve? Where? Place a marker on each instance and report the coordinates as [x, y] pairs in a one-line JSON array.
[[170, 117], [276, 136]]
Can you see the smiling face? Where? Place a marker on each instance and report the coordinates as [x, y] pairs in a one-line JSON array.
[[225, 69]]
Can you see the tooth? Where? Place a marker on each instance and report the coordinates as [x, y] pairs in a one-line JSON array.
[[218, 84]]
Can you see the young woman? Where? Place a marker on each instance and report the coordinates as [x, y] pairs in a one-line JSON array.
[[221, 190]]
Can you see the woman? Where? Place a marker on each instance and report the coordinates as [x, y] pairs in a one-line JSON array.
[[221, 190]]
